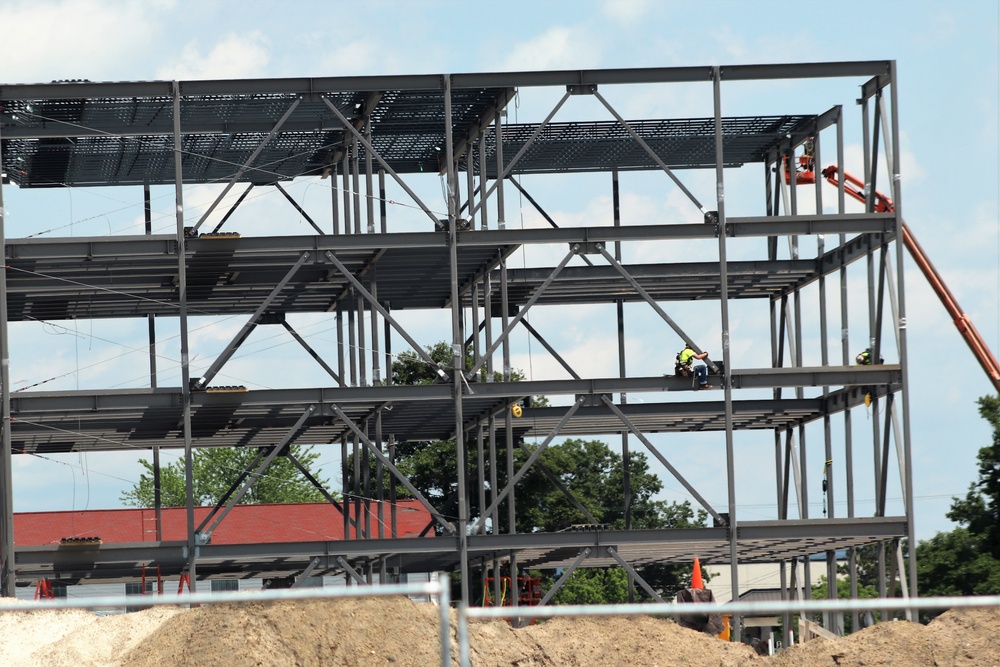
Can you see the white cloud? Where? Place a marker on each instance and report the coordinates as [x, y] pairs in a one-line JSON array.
[[560, 47], [236, 56], [626, 11], [75, 39]]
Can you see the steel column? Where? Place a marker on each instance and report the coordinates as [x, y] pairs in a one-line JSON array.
[[726, 356], [7, 571], [183, 323]]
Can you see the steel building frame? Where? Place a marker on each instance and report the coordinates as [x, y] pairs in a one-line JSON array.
[[357, 133]]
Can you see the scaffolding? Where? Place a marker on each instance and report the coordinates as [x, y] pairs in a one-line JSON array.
[[380, 257]]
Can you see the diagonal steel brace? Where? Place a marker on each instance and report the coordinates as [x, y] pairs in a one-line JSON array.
[[237, 483], [326, 494], [524, 310], [385, 313], [385, 165], [565, 576], [662, 459], [260, 470], [393, 469], [562, 487], [351, 572], [635, 575], [524, 468], [520, 154], [298, 208], [246, 165], [251, 324], [312, 352], [651, 152], [652, 302]]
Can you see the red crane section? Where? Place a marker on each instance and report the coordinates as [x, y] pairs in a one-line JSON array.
[[882, 204]]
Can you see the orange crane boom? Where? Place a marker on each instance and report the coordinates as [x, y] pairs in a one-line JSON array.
[[882, 204]]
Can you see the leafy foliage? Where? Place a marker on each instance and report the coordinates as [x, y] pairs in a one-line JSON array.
[[215, 469], [980, 509], [591, 471], [966, 560], [819, 592]]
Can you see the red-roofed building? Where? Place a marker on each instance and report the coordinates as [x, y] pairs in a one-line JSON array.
[[280, 524], [245, 524]]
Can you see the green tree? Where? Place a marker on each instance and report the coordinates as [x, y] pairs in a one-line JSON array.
[[966, 560], [215, 469], [844, 593], [980, 509], [590, 469], [598, 585]]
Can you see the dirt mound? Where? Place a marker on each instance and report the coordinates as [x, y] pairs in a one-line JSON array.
[[633, 642], [376, 632], [74, 637], [347, 632], [960, 638]]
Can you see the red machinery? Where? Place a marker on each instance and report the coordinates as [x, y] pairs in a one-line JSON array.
[[854, 187]]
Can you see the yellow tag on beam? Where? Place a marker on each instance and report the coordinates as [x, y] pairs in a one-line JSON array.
[[516, 410]]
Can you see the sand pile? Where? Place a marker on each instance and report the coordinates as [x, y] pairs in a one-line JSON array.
[[379, 632]]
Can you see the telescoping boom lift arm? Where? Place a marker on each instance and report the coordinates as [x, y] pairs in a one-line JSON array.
[[882, 204]]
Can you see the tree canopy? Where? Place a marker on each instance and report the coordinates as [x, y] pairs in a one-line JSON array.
[[215, 469], [591, 471], [966, 560]]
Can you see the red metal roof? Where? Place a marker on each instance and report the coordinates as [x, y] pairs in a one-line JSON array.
[[245, 524]]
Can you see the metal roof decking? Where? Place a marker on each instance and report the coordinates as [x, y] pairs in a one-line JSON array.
[[119, 139]]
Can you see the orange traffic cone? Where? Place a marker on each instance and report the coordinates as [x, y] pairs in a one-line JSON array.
[[696, 581]]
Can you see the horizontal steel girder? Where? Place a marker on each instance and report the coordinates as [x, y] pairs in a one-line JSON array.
[[757, 541]]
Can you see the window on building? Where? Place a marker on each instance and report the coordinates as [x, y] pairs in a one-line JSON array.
[[225, 585], [136, 588]]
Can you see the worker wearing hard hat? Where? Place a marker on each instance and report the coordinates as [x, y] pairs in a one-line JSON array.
[[685, 366]]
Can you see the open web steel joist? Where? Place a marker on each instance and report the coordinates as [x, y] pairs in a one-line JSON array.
[[423, 177]]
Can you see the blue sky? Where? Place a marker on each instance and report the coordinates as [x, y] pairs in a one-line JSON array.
[[947, 57]]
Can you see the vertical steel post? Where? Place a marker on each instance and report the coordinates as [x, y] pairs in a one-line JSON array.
[[831, 559], [182, 315], [498, 130], [724, 306], [623, 397], [504, 320], [457, 342], [897, 199], [7, 572]]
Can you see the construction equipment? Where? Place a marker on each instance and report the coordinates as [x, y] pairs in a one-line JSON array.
[[717, 625], [529, 592], [805, 174]]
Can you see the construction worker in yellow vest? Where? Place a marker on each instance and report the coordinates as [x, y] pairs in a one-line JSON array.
[[685, 366]]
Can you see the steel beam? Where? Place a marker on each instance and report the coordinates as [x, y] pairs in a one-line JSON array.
[[367, 296], [649, 151], [527, 464], [246, 165], [393, 469], [7, 573], [255, 475], [502, 338], [183, 324], [251, 324], [662, 459]]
